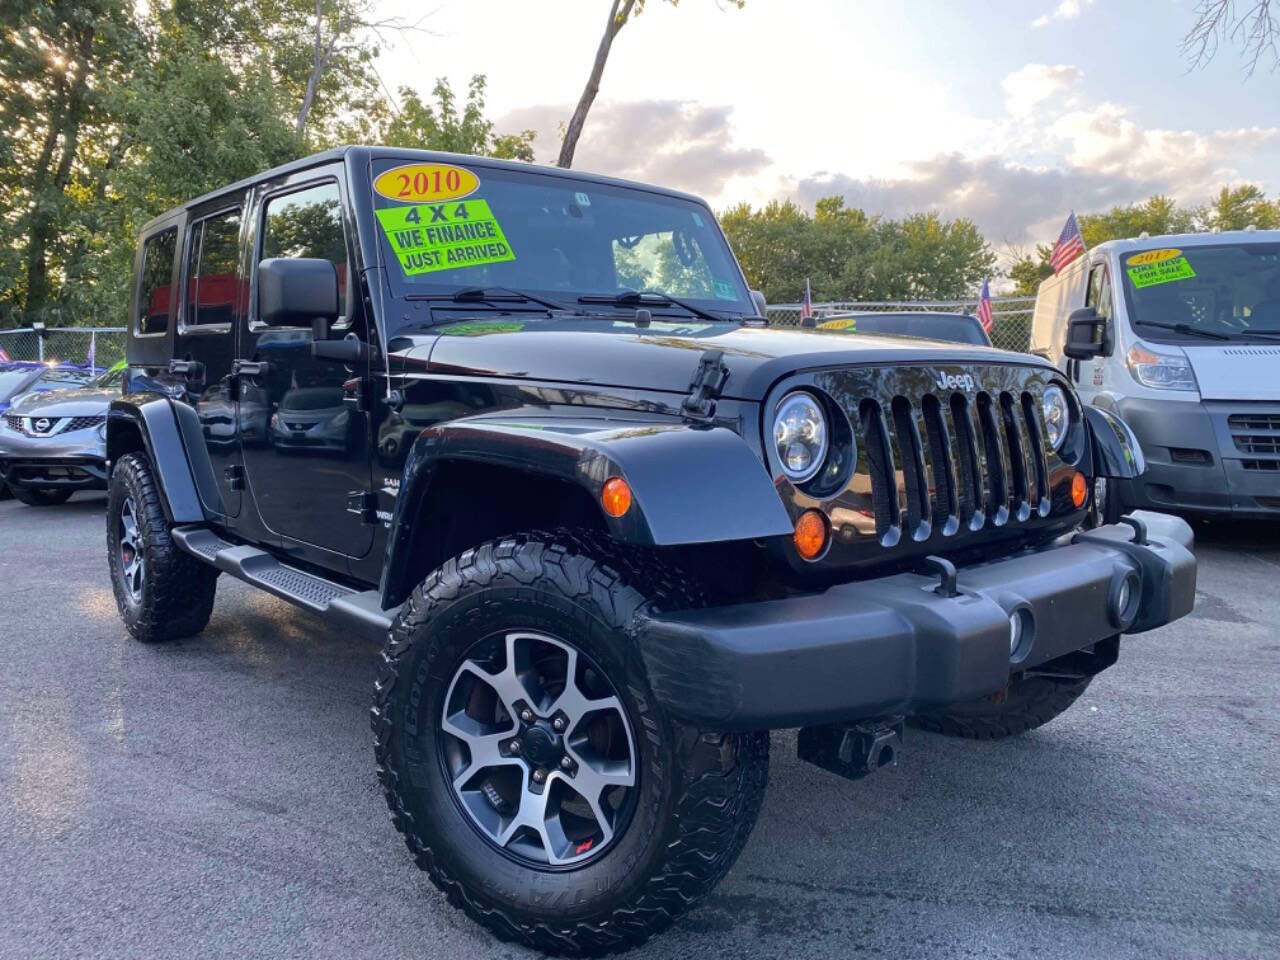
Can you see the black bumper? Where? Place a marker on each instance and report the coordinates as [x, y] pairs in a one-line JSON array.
[[75, 473], [896, 646]]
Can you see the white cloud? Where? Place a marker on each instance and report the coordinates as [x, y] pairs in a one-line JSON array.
[[674, 143], [1030, 86], [1066, 10]]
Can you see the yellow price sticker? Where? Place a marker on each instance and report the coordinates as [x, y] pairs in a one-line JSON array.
[[426, 182], [848, 323]]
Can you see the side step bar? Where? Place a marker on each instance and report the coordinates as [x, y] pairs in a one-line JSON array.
[[355, 609]]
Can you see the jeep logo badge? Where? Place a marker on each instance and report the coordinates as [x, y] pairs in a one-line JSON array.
[[961, 381], [41, 425]]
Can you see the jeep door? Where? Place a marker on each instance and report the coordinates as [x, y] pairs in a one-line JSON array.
[[304, 440], [213, 303]]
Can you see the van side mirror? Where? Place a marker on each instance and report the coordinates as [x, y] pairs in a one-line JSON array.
[[1088, 335], [296, 291]]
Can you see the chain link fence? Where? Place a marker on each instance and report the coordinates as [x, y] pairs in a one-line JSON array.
[[1010, 316], [105, 345]]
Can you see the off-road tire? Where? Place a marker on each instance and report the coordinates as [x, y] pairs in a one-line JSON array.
[[699, 791], [177, 589], [41, 496], [1026, 703]]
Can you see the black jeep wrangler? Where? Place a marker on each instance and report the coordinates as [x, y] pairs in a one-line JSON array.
[[529, 428]]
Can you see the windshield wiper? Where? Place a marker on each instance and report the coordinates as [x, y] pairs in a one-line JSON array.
[[649, 298], [1186, 328], [491, 295], [1245, 334]]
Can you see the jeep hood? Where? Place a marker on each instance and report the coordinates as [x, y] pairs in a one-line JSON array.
[[615, 353], [1245, 371], [84, 402]]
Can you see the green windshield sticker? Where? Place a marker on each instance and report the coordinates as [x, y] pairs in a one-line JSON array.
[[724, 290], [444, 236], [1161, 271]]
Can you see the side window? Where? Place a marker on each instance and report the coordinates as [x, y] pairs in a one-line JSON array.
[[213, 293], [308, 223], [155, 287]]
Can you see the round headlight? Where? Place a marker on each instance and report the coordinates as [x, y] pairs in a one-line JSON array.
[[800, 435], [1057, 415]]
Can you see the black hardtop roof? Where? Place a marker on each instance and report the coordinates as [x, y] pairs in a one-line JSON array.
[[358, 154]]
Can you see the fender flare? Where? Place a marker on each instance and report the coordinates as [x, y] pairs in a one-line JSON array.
[[690, 484], [152, 416], [1116, 451]]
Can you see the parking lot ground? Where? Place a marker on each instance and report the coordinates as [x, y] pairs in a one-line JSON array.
[[215, 797]]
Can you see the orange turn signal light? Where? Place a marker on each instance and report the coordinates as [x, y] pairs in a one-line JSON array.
[[1079, 490], [811, 534], [615, 496]]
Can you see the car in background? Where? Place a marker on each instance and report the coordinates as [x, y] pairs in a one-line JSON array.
[[21, 376], [53, 441], [948, 327]]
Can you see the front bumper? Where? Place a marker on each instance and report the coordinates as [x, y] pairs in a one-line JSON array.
[[896, 646], [74, 460]]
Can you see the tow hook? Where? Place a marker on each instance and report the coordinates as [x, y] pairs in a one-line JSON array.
[[852, 750]]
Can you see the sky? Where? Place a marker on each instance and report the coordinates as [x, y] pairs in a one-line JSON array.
[[1009, 113]]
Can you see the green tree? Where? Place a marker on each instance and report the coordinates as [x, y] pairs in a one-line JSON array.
[[446, 126], [1235, 208], [1027, 272], [1156, 215]]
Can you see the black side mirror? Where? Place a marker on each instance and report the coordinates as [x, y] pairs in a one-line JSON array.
[[296, 291], [758, 301], [1088, 335]]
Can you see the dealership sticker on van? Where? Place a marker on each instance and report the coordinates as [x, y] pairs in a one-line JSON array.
[[1149, 272]]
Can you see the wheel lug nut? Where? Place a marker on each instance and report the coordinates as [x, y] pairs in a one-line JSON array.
[[566, 763], [514, 746], [526, 715], [558, 723], [539, 776]]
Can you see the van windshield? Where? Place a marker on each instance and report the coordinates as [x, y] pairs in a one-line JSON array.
[[556, 237], [1229, 290]]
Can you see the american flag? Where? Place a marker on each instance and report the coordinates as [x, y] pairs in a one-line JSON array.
[[984, 307], [806, 305], [1069, 246]]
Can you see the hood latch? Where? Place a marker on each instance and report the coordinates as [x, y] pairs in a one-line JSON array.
[[708, 380]]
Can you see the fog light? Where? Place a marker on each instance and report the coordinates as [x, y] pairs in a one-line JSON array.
[[1015, 631], [1021, 633], [1123, 596]]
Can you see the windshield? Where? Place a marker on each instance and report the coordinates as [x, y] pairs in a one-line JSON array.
[[1228, 290], [112, 378], [448, 227], [956, 328]]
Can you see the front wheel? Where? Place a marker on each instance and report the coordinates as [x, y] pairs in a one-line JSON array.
[[41, 496], [161, 592], [1024, 704], [524, 759]]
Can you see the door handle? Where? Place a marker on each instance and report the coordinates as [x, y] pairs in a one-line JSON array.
[[187, 369], [249, 368]]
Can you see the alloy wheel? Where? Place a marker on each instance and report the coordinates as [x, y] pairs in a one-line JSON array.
[[132, 565]]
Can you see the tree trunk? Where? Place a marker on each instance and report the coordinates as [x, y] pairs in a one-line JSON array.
[[617, 18], [319, 63]]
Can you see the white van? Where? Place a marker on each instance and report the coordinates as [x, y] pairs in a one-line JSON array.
[[1180, 337]]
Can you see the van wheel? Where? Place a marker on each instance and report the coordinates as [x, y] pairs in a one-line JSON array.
[[41, 496], [161, 592], [525, 761], [1024, 704]]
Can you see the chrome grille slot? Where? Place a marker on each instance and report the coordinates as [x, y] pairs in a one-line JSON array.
[[969, 464], [997, 498], [914, 485], [1035, 439], [946, 505], [1021, 499], [884, 487]]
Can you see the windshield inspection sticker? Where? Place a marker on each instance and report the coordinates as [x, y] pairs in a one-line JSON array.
[[444, 236], [724, 290], [423, 182], [1159, 271]]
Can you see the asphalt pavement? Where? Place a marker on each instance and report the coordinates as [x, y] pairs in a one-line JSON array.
[[216, 796]]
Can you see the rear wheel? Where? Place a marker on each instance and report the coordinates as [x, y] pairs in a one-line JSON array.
[[1024, 704], [526, 762], [41, 496], [161, 592]]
